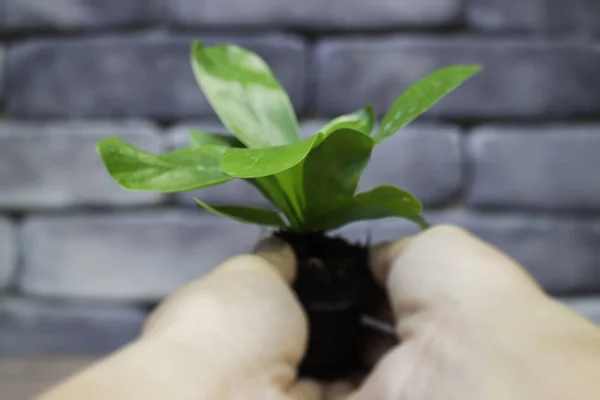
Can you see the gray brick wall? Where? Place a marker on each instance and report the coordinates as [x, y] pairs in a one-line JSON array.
[[56, 166], [78, 14], [8, 252], [582, 16], [506, 165], [144, 75], [512, 156], [523, 78], [32, 327], [125, 256], [2, 72], [427, 161], [314, 14]]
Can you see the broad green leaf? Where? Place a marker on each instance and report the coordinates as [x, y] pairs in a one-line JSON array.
[[362, 120], [380, 202], [272, 190], [200, 138], [255, 163], [245, 94], [177, 171], [332, 169], [421, 96], [290, 183], [268, 185], [246, 214]]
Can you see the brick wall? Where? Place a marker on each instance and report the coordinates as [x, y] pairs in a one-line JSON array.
[[513, 156]]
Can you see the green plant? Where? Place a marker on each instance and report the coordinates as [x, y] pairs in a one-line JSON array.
[[311, 182]]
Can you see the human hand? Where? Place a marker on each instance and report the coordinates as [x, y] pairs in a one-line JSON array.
[[473, 324], [238, 333]]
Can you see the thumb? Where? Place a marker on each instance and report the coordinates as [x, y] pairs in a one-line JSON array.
[[446, 270], [244, 312]]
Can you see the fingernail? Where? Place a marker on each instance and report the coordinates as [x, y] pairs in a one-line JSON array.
[[271, 244]]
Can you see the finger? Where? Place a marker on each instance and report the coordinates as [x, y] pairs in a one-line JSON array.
[[339, 391], [244, 311], [307, 390], [280, 255], [378, 344], [394, 372], [313, 390], [445, 267], [378, 330], [273, 259], [383, 255]]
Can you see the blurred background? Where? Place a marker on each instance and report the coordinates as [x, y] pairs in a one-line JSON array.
[[513, 155]]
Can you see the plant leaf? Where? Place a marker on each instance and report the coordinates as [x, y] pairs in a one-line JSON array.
[[290, 184], [255, 163], [200, 138], [252, 215], [419, 220], [332, 169], [421, 96], [268, 185], [362, 120], [177, 171], [245, 95], [380, 202], [270, 188]]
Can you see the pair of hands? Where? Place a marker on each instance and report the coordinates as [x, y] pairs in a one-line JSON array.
[[473, 325]]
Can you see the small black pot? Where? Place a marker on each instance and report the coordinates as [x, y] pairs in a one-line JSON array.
[[336, 288]]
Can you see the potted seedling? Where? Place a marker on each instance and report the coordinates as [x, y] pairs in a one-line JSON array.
[[311, 183]]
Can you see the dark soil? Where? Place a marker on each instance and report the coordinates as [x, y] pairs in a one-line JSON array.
[[335, 286]]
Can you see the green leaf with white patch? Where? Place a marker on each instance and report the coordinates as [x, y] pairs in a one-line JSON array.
[[267, 185], [380, 202], [422, 96], [246, 214], [177, 171], [200, 138], [362, 120], [255, 163], [245, 94]]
